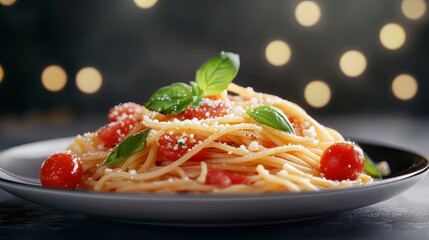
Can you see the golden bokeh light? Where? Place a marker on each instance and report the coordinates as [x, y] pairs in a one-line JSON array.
[[278, 53], [1, 73], [353, 63], [145, 4], [89, 80], [317, 94], [54, 78], [307, 13], [392, 36], [413, 9], [405, 87], [7, 2]]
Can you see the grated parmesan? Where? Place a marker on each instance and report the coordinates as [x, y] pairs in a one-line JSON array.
[[243, 148], [254, 146]]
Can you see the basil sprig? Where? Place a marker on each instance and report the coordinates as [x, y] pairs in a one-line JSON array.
[[369, 167], [131, 145], [212, 78], [216, 73], [272, 117], [197, 94], [171, 99]]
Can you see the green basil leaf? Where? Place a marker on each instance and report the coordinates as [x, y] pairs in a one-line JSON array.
[[130, 146], [216, 73], [369, 167], [272, 117], [197, 94], [171, 99]]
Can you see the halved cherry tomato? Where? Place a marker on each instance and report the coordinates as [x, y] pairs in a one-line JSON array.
[[113, 133], [224, 178], [124, 110], [61, 170], [174, 146], [207, 109], [342, 161]]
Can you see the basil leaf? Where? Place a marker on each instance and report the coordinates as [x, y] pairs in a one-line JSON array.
[[171, 99], [272, 117], [216, 73], [369, 167], [131, 145], [198, 94], [212, 78]]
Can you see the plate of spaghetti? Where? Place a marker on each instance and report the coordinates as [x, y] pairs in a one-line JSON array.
[[208, 153]]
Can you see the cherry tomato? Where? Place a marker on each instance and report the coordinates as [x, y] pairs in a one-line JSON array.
[[207, 109], [113, 133], [61, 170], [342, 161], [224, 178], [174, 146], [124, 110]]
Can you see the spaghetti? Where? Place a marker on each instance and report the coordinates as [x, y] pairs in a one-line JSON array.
[[217, 146]]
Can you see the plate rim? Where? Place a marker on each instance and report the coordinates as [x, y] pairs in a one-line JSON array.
[[207, 197], [421, 167]]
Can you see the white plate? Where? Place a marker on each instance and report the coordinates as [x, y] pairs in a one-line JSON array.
[[20, 177]]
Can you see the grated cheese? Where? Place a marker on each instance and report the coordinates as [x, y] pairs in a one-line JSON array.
[[254, 146], [243, 148]]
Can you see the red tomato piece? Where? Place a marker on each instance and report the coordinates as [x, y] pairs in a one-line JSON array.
[[113, 133], [207, 109], [61, 170], [237, 178], [174, 146], [296, 124], [214, 97], [342, 161], [224, 178], [124, 110], [218, 177]]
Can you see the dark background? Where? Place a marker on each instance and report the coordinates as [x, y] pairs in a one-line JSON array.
[[139, 50]]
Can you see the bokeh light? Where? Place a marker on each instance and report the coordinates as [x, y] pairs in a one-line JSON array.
[[413, 9], [317, 94], [54, 78], [392, 36], [307, 13], [145, 4], [278, 53], [405, 87], [353, 63], [89, 80], [1, 73], [7, 2]]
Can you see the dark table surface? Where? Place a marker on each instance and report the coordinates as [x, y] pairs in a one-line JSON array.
[[403, 217]]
